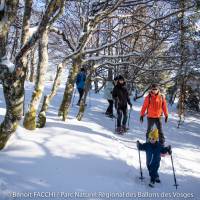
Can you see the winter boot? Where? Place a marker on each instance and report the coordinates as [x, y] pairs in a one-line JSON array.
[[125, 129], [152, 183], [119, 130], [157, 180]]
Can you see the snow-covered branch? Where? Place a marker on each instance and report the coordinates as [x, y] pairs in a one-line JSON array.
[[90, 51], [2, 5], [61, 33]]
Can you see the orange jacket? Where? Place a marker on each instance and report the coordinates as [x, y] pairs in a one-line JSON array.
[[155, 107]]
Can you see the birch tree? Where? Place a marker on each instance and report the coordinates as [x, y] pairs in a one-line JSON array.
[[13, 75]]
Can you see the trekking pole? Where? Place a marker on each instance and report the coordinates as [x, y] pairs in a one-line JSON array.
[[73, 97], [175, 182], [141, 174], [129, 115], [89, 100], [116, 118]]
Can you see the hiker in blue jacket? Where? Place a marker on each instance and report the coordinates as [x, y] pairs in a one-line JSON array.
[[80, 84], [153, 150]]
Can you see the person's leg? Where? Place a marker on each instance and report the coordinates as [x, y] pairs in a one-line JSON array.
[[108, 109], [81, 91], [156, 173], [150, 169], [124, 110], [119, 117], [111, 107], [150, 123], [160, 130]]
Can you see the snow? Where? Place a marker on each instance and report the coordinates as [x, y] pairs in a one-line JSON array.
[[86, 159], [6, 61], [32, 30]]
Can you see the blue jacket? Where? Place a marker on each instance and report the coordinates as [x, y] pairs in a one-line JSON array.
[[80, 80], [153, 152]]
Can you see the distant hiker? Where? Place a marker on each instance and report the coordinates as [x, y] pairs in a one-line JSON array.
[[108, 89], [153, 150], [121, 98], [155, 104], [80, 83]]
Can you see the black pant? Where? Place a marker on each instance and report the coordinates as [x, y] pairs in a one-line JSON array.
[[158, 122], [120, 112], [81, 91], [153, 170], [110, 107]]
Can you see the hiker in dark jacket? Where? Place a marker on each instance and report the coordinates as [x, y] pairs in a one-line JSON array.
[[121, 98], [153, 150], [80, 83]]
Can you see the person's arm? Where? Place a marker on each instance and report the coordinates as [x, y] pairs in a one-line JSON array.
[[114, 93], [128, 98], [165, 150], [78, 79], [84, 77], [141, 147]]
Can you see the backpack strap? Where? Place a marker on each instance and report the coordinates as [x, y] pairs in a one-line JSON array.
[[149, 102]]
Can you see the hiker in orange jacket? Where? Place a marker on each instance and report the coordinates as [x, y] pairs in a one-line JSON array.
[[155, 104]]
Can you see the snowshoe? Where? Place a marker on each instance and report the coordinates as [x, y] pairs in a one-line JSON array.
[[125, 129], [157, 180], [111, 116], [152, 184], [119, 130]]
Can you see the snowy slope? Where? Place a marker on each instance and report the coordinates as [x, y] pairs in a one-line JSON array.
[[85, 158]]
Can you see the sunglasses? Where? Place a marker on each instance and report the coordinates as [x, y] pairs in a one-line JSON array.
[[154, 89]]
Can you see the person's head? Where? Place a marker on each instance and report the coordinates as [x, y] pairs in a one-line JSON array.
[[121, 79], [153, 136], [82, 69], [155, 88]]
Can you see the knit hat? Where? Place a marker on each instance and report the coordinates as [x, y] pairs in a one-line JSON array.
[[154, 134], [120, 77], [154, 85]]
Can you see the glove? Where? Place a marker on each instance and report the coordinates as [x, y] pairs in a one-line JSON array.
[[137, 143], [131, 105], [169, 150], [141, 119], [166, 119]]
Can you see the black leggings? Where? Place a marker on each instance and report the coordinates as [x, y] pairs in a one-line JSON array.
[[110, 107], [120, 112], [81, 91], [158, 122]]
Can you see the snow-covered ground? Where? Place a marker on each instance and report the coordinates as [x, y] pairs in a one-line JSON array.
[[72, 159]]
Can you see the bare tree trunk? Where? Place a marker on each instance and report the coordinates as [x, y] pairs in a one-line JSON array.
[[13, 78], [182, 82], [47, 99], [25, 30], [32, 66], [30, 117], [12, 93], [66, 101], [15, 43]]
